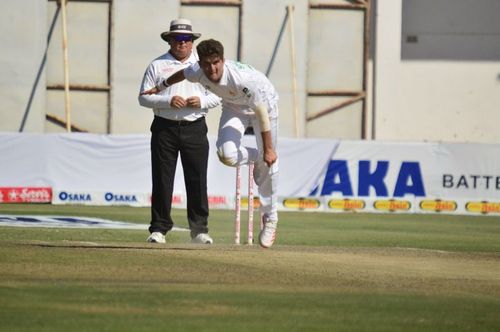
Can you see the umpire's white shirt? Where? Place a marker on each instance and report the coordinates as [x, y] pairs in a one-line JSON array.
[[160, 69], [240, 85]]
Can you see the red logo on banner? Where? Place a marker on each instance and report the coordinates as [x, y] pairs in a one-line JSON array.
[[216, 200], [25, 194], [176, 199]]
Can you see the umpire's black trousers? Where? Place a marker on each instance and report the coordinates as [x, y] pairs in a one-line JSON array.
[[169, 139]]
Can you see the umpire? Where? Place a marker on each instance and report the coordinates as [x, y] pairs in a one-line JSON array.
[[178, 128]]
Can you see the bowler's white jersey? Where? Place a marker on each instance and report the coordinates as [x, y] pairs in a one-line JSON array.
[[241, 85]]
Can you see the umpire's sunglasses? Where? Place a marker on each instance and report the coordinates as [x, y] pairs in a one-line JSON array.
[[182, 38]]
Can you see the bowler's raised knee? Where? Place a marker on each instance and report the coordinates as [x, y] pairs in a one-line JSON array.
[[228, 157]]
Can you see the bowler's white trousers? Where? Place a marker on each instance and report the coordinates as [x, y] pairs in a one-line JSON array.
[[232, 126]]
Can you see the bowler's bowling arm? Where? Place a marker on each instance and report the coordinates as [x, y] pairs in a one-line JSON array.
[[173, 79]]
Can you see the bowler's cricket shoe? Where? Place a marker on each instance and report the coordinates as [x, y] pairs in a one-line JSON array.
[[156, 237], [202, 238], [268, 233]]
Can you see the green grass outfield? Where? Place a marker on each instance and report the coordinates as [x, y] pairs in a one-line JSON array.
[[326, 272]]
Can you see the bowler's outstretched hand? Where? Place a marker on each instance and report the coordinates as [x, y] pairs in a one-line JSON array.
[[152, 91]]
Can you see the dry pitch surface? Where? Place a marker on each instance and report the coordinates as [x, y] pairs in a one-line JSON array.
[[301, 267]]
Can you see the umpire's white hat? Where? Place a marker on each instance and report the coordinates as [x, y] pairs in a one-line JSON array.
[[180, 26]]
